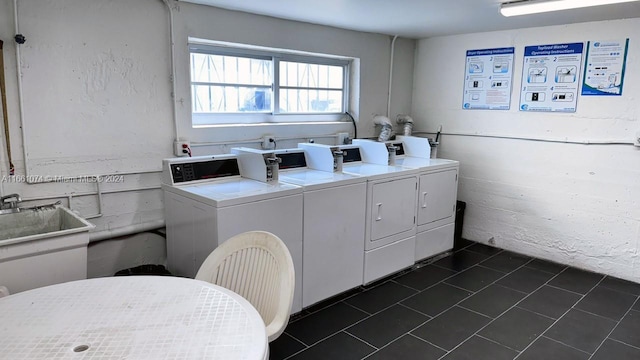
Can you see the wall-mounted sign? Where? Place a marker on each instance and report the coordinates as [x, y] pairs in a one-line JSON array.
[[488, 78], [550, 77], [604, 69]]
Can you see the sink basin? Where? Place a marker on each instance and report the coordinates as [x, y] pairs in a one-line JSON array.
[[37, 223], [42, 246]]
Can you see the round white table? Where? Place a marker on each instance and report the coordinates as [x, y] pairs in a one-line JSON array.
[[131, 317]]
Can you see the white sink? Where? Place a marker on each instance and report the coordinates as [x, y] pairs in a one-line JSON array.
[[42, 246]]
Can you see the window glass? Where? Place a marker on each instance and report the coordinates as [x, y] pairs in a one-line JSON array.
[[225, 81]]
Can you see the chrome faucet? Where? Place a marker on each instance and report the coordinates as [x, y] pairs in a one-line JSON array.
[[10, 201]]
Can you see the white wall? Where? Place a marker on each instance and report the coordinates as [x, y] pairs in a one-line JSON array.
[[373, 52], [571, 203], [98, 97]]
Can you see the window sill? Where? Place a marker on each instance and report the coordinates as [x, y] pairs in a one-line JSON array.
[[269, 124]]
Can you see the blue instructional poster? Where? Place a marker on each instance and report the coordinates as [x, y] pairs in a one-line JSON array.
[[550, 77], [488, 78], [604, 69]]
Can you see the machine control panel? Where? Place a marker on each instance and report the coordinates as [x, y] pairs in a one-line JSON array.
[[398, 145], [202, 170], [292, 160], [351, 155]]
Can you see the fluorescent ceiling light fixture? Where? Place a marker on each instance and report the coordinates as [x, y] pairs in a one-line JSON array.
[[525, 7]]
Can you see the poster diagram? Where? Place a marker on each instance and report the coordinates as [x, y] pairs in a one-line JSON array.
[[488, 78], [550, 77], [604, 69]]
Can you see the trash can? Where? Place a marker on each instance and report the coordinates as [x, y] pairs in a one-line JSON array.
[[457, 234], [147, 269]]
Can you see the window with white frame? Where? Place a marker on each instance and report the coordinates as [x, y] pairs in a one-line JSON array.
[[233, 85]]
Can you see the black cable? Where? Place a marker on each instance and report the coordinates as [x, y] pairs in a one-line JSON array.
[[355, 128]]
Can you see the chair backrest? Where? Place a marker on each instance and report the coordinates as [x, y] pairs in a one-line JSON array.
[[256, 265]]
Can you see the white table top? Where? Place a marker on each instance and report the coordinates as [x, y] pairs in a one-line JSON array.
[[131, 317]]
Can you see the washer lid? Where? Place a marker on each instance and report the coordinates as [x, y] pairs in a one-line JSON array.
[[424, 164], [234, 191], [317, 179], [375, 171]]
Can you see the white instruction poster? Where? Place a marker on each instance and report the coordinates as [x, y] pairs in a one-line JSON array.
[[550, 77], [604, 69], [488, 78]]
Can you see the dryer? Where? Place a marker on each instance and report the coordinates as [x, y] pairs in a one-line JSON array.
[[437, 189], [207, 201], [390, 218], [334, 205]]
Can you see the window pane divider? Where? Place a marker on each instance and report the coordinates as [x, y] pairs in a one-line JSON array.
[[230, 84], [309, 88], [300, 100]]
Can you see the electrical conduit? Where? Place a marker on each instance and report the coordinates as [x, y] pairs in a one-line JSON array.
[[393, 46], [20, 94], [173, 69]]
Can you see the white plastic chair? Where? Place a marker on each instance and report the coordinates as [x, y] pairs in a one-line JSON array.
[[256, 265]]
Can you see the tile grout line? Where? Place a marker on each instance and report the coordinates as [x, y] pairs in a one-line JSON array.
[[364, 341], [617, 290], [357, 322], [368, 315], [409, 332], [458, 272], [567, 345], [561, 316], [547, 271], [495, 281], [492, 269], [573, 292], [472, 311], [495, 342], [333, 333], [537, 313], [594, 314], [405, 334], [624, 343], [508, 288], [407, 286], [461, 288], [386, 307], [296, 339], [418, 311], [334, 303], [363, 319], [504, 312], [442, 281], [393, 279], [299, 351], [429, 316], [614, 328], [473, 293], [426, 341]]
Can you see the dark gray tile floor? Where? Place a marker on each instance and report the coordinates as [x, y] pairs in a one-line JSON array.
[[478, 303]]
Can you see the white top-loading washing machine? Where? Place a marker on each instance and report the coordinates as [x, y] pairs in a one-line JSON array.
[[390, 219], [437, 189], [207, 202], [333, 222]]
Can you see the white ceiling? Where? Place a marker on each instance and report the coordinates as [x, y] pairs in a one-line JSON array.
[[418, 18]]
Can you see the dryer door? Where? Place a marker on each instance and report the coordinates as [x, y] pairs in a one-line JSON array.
[[437, 196], [393, 207]]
